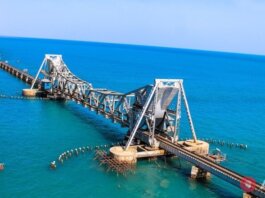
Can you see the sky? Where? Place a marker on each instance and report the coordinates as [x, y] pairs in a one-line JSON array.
[[224, 25]]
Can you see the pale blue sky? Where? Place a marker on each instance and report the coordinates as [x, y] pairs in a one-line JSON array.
[[225, 25]]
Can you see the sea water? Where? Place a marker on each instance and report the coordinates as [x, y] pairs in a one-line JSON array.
[[226, 93]]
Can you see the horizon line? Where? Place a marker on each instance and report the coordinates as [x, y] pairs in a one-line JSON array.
[[136, 45]]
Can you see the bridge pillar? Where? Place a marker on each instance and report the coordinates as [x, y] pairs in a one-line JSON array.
[[29, 92], [198, 173], [199, 147], [121, 155]]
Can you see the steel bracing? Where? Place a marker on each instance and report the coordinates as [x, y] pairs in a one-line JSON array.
[[155, 108]]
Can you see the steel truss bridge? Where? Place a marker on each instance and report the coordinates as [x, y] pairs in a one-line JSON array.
[[151, 113]]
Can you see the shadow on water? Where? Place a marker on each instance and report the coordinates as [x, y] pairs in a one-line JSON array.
[[106, 128]]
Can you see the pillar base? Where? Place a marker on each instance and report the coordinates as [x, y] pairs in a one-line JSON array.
[[29, 92], [199, 147], [198, 173], [128, 156]]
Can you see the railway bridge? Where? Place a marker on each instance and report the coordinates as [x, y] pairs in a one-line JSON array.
[[151, 113]]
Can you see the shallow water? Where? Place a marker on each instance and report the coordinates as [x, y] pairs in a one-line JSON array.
[[226, 93]]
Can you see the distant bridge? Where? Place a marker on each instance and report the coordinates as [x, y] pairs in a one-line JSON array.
[[151, 113]]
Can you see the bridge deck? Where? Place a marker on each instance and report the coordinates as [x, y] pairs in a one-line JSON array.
[[24, 76], [208, 165], [203, 162]]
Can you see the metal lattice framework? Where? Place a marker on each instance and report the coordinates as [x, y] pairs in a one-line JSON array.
[[152, 108]]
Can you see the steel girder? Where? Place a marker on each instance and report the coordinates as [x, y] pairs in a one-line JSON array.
[[153, 108]]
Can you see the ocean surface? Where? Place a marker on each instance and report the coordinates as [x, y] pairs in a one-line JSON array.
[[226, 93]]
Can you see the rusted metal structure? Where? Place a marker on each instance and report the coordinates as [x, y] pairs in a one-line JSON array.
[[113, 164]]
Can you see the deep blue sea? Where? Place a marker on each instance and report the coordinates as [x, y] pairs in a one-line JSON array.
[[226, 93]]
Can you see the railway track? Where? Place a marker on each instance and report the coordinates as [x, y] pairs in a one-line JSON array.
[[207, 164]]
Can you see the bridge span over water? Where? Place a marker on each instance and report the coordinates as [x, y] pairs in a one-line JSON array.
[[151, 113]]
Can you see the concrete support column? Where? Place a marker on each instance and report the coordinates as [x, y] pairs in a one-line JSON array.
[[197, 173]]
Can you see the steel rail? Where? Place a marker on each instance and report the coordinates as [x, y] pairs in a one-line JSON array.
[[202, 160]]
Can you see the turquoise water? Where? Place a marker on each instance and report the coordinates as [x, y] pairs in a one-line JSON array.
[[226, 93]]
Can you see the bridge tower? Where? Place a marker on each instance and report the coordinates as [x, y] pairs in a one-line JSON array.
[[148, 111]]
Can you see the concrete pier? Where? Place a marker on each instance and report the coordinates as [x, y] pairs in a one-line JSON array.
[[29, 92], [199, 147], [134, 152], [198, 173], [129, 156]]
